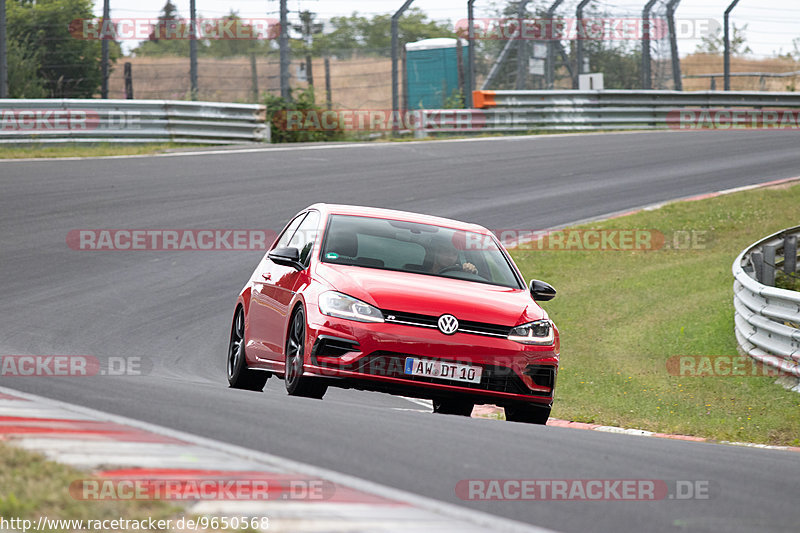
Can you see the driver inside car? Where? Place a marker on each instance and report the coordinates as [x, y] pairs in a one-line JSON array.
[[446, 258]]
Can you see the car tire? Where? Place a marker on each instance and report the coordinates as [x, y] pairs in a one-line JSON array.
[[530, 414], [239, 376], [453, 407], [296, 383]]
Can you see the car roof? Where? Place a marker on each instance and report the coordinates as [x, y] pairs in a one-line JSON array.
[[377, 212]]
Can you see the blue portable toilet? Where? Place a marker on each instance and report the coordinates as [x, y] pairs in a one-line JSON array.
[[432, 72]]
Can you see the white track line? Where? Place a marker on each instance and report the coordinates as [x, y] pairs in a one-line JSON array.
[[456, 512], [277, 148]]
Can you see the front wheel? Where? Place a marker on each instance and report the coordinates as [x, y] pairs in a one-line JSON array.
[[296, 384], [239, 376], [530, 414]]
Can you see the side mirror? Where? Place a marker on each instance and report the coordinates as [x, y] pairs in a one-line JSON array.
[[542, 291], [287, 257]]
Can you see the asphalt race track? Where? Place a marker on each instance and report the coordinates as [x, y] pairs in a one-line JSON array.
[[173, 309]]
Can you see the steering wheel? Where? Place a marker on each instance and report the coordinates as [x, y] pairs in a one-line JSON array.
[[451, 268]]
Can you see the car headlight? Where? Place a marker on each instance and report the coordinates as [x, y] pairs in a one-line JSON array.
[[539, 332], [340, 305]]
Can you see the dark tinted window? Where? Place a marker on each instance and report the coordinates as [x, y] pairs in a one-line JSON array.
[[418, 248]]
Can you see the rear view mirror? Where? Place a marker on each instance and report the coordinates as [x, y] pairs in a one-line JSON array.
[[541, 291]]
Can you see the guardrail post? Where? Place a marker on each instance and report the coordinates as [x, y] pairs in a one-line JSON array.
[[768, 268], [757, 258], [790, 254]]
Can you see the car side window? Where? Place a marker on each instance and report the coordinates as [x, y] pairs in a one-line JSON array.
[[306, 236], [287, 235]]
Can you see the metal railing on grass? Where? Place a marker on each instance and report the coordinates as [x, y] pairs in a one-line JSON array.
[[130, 121]]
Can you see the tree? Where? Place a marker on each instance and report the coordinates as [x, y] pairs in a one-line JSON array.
[[715, 43], [222, 47], [23, 72], [167, 36], [374, 36], [46, 59]]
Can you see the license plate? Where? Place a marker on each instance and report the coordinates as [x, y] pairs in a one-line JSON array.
[[443, 370]]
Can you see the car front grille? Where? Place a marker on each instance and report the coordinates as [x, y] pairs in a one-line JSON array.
[[429, 321], [494, 378]]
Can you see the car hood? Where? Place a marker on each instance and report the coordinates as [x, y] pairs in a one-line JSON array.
[[433, 295]]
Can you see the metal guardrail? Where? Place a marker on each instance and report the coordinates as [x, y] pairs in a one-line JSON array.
[[130, 121], [767, 319], [521, 111]]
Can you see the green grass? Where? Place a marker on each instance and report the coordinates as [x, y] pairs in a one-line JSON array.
[[84, 150], [31, 486], [622, 314]]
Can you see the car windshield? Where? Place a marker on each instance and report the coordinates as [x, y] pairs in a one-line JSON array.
[[418, 248]]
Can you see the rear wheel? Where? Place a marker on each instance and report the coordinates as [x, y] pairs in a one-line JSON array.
[[453, 407], [530, 414], [239, 376], [296, 383]]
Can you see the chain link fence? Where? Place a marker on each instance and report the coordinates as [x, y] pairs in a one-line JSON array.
[[359, 77]]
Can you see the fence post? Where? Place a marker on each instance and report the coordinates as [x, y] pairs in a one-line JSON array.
[[395, 30], [727, 39], [328, 98], [470, 54], [284, 50], [253, 77], [522, 47], [104, 51], [673, 45], [647, 78], [460, 68], [551, 56], [579, 42], [128, 74], [193, 48]]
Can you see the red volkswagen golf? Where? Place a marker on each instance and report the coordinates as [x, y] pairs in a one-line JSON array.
[[398, 302]]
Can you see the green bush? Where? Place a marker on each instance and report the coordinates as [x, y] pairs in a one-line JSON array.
[[283, 114]]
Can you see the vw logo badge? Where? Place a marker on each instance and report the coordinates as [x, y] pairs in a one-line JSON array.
[[448, 324]]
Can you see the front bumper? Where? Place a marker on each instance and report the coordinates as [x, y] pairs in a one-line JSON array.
[[371, 356]]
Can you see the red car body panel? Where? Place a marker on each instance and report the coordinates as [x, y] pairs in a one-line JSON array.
[[274, 291]]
